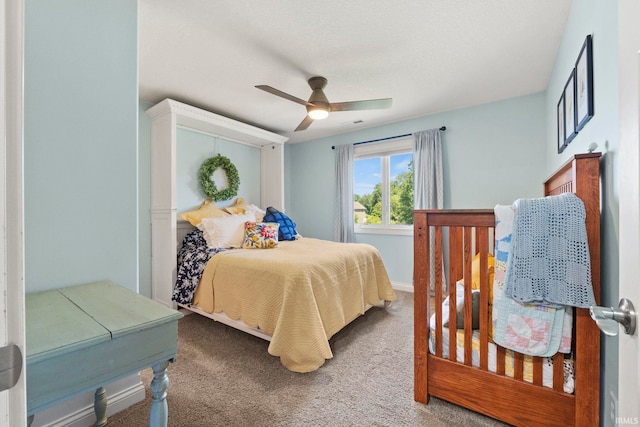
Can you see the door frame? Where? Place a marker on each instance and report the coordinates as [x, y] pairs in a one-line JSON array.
[[629, 206], [11, 198], [13, 407]]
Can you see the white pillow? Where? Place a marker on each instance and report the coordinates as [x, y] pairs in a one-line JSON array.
[[225, 232], [242, 207], [259, 213]]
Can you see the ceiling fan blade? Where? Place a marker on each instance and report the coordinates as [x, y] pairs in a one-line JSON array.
[[305, 123], [369, 104], [284, 95]]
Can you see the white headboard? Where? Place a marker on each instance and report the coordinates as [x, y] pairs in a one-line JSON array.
[[166, 117]]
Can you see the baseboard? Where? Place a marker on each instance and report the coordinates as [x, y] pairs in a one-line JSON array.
[[406, 287], [79, 412]]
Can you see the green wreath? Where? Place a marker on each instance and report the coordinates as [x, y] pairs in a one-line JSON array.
[[209, 187]]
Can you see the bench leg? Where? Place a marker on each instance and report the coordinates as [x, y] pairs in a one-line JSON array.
[[100, 407], [159, 409]]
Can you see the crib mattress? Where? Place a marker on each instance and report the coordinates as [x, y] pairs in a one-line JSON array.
[[547, 369]]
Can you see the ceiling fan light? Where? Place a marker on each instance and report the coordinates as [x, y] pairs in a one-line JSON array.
[[318, 114]]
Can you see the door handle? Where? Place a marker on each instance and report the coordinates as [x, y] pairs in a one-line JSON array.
[[608, 318], [10, 366]]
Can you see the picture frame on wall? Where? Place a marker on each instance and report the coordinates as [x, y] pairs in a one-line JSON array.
[[569, 96], [584, 84], [560, 116]]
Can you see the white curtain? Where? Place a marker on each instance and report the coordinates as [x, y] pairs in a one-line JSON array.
[[427, 163], [344, 191], [428, 187]]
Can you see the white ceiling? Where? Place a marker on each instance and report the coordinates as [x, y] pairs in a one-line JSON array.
[[428, 55]]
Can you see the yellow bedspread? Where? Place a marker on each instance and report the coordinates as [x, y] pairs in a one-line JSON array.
[[301, 293]]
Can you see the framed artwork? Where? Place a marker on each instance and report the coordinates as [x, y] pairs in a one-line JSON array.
[[570, 130], [584, 84], [560, 117]]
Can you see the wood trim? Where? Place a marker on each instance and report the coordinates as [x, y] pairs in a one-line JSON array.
[[13, 406], [459, 217], [421, 308], [586, 171], [504, 398]]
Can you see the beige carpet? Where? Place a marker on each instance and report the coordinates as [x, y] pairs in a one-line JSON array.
[[224, 377]]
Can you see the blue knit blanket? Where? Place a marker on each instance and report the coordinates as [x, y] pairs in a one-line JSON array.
[[549, 262]]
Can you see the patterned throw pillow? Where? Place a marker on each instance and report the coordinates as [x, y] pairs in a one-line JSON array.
[[260, 235], [287, 229]]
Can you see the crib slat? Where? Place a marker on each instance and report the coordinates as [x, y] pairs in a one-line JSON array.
[[455, 254], [500, 360], [482, 239], [453, 297], [467, 256], [438, 289], [438, 259], [455, 270], [518, 360], [537, 371], [558, 372]]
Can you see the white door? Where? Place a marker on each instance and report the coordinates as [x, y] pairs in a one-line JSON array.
[[629, 184], [13, 401]]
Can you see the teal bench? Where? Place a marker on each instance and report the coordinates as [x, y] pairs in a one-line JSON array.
[[83, 337]]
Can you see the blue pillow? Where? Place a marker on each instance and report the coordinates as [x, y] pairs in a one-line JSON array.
[[287, 229]]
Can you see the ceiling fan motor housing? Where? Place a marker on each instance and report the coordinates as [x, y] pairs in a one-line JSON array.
[[318, 98]]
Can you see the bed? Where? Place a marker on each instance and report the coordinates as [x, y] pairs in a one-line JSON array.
[[301, 342], [464, 366], [296, 295]]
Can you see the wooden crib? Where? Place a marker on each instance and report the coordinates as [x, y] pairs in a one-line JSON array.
[[507, 398]]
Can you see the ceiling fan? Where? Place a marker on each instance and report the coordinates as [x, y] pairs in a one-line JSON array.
[[318, 106]]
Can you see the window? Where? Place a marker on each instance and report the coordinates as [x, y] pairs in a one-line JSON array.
[[383, 187]]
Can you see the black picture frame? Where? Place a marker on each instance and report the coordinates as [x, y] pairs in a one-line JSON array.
[[560, 117], [569, 96], [584, 84]]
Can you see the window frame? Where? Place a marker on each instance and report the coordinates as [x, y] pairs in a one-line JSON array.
[[384, 150]]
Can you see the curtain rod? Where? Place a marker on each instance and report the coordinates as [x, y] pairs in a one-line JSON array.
[[333, 147]]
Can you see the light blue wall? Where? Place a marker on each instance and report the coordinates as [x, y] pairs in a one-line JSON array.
[[193, 149], [80, 148], [600, 19], [492, 153]]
